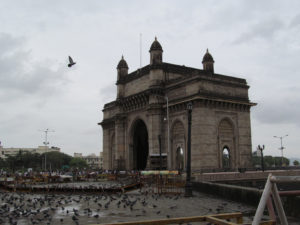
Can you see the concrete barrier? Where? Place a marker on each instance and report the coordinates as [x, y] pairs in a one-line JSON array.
[[222, 176], [232, 192], [246, 195]]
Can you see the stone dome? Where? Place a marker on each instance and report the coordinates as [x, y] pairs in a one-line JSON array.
[[155, 46], [207, 57], [122, 64]]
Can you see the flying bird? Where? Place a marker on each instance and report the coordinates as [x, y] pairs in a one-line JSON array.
[[71, 62]]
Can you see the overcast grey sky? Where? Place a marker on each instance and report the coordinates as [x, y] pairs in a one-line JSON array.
[[257, 40]]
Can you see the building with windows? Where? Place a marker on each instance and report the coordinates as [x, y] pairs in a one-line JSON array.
[[92, 160], [5, 152], [148, 120]]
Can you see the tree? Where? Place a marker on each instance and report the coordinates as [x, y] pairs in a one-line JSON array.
[[269, 161], [256, 161], [78, 163], [24, 160], [296, 163], [56, 160], [3, 164]]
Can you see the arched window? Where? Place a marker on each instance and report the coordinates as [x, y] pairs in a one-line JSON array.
[[177, 145], [227, 149], [179, 158], [226, 157]]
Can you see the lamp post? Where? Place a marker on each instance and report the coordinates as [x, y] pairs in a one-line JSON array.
[[262, 156], [281, 147], [160, 158], [168, 152], [188, 185], [46, 143]]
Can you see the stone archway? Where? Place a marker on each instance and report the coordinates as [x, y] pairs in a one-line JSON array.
[[178, 146], [140, 145], [226, 158], [179, 159], [227, 145]]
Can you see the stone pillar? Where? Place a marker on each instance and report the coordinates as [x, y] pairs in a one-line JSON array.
[[156, 75], [154, 127], [106, 140], [120, 143]]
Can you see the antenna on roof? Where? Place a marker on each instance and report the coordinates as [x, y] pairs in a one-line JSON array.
[[140, 50], [46, 143]]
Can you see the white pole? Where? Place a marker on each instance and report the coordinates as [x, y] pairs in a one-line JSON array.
[[278, 205], [140, 50], [281, 147], [46, 144], [263, 201]]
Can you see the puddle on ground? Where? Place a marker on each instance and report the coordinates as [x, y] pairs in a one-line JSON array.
[[62, 212]]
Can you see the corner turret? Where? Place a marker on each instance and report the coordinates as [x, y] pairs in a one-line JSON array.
[[208, 62]]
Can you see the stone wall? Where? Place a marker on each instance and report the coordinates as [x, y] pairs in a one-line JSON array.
[[215, 98]]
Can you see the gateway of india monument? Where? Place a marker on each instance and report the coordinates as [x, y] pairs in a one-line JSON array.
[[146, 127]]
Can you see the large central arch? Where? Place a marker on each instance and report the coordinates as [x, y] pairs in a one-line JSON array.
[[140, 145]]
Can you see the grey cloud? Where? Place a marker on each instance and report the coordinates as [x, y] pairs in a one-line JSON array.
[[264, 30], [108, 93], [284, 109], [20, 74], [8, 43], [295, 22]]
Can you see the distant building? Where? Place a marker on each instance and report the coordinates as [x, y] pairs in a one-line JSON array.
[[92, 160], [5, 152], [78, 155]]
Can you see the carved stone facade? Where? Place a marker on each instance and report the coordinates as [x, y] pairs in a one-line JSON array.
[[152, 101]]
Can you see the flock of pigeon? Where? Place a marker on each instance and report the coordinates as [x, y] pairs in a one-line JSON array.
[[25, 208]]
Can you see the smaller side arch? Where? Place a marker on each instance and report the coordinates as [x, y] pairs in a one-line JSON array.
[[178, 145], [229, 122], [227, 146], [226, 157]]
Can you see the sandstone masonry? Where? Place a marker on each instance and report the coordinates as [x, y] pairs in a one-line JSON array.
[[149, 115]]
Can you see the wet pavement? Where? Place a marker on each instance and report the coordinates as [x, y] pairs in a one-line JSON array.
[[25, 208]]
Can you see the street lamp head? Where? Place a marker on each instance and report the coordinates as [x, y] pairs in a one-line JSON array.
[[189, 106]]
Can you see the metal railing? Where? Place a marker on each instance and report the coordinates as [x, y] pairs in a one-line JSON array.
[[271, 192], [218, 219]]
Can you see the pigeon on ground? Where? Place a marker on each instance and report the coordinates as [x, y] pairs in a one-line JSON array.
[[71, 62]]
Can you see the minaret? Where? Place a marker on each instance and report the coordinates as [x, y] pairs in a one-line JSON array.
[[208, 62], [155, 53], [122, 68], [122, 72]]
